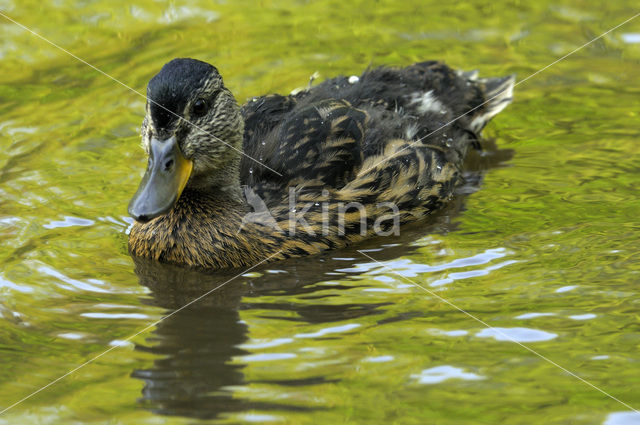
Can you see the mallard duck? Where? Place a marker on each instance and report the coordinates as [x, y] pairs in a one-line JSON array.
[[283, 176]]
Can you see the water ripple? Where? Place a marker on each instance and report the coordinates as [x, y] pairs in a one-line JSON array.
[[631, 37], [75, 284], [331, 330], [6, 283], [534, 315], [266, 357], [68, 221], [407, 268], [438, 374], [516, 334], [586, 316], [378, 359], [623, 418], [565, 289], [453, 333], [257, 344], [115, 315]]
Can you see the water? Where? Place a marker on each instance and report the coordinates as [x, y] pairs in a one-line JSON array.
[[542, 247]]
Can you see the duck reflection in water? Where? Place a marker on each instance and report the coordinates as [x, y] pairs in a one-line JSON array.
[[194, 374]]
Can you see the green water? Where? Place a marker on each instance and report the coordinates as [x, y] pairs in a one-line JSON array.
[[545, 250]]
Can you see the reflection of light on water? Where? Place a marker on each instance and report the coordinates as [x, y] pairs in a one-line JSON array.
[[266, 357], [623, 418], [89, 285], [516, 334], [408, 268], [266, 343], [383, 278], [583, 316], [331, 330], [130, 221], [6, 283], [115, 315], [566, 289], [259, 417], [69, 221], [454, 333], [378, 290], [121, 343], [182, 13], [71, 335], [631, 37], [438, 374], [471, 273], [378, 359], [534, 315]]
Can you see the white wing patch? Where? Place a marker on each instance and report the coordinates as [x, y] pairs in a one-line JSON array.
[[426, 102]]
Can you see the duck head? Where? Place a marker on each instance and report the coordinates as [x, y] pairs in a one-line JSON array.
[[192, 133]]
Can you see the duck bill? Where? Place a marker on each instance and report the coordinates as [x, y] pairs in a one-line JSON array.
[[167, 174]]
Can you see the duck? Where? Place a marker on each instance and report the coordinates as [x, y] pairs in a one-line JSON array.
[[352, 157]]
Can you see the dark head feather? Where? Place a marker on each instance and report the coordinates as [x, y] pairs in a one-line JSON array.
[[172, 87]]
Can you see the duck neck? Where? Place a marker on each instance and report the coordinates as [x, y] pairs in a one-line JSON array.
[[225, 181]]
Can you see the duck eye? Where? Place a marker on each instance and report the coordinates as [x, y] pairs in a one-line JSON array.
[[199, 107]]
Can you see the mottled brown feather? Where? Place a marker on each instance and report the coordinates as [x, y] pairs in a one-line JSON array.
[[333, 145]]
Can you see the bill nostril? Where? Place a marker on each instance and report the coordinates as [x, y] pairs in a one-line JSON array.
[[168, 164], [143, 218]]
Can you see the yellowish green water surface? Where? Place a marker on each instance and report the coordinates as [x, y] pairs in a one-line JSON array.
[[540, 260]]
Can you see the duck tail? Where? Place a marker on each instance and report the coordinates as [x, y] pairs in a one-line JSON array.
[[498, 93]]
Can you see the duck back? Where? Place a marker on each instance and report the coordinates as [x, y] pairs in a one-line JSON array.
[[326, 132]]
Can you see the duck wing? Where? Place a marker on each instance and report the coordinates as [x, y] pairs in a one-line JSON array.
[[418, 100], [398, 132], [319, 141]]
